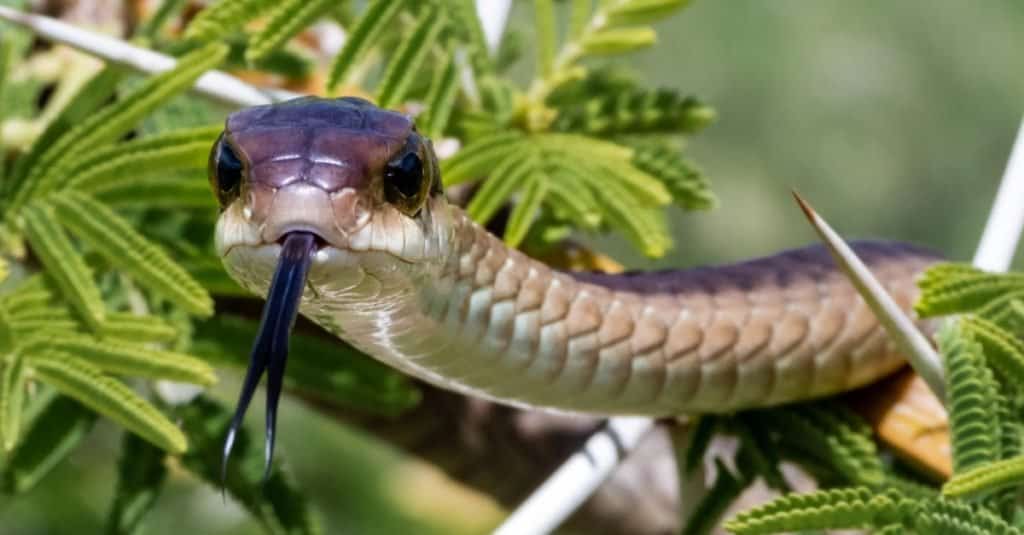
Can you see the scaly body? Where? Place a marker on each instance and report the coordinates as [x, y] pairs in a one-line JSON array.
[[410, 280]]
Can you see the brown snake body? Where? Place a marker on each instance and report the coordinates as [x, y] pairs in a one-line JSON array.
[[409, 279]]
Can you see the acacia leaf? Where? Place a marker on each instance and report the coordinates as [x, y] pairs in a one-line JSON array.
[[285, 21], [407, 63], [63, 263], [126, 249], [84, 382], [363, 36]]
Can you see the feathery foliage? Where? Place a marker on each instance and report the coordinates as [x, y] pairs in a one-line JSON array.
[[983, 363], [107, 217]]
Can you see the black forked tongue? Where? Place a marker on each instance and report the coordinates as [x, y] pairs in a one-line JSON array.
[[270, 350]]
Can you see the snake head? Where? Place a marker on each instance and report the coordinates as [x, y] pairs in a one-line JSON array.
[[314, 188]]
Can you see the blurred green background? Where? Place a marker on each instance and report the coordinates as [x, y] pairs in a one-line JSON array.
[[895, 119]]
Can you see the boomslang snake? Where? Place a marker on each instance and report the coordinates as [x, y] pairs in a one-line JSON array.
[[351, 194]]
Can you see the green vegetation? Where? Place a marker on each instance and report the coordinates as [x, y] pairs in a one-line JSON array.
[[109, 283]]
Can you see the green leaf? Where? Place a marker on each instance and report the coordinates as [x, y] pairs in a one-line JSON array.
[[972, 403], [277, 503], [481, 156], [179, 191], [63, 263], [187, 148], [90, 96], [135, 328], [526, 208], [12, 399], [630, 110], [955, 517], [846, 508], [150, 29], [141, 476], [507, 176], [1003, 351], [544, 26], [467, 24], [951, 288], [617, 41], [440, 97], [57, 427], [115, 120], [121, 358], [123, 247], [285, 21], [407, 63], [85, 383], [985, 479], [688, 187], [642, 11], [363, 36], [212, 23]]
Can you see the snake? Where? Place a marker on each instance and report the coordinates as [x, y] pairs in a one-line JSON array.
[[335, 209]]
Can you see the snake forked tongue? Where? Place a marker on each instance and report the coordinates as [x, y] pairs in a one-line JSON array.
[[270, 350]]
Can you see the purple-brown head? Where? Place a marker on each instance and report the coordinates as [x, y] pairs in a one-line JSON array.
[[319, 193], [321, 165]]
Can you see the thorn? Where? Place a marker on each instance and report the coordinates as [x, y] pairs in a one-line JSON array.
[[808, 211]]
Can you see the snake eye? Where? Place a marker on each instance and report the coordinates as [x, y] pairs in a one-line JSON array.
[[404, 176], [225, 171]]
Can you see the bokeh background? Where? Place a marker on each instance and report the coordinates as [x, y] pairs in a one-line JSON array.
[[895, 119]]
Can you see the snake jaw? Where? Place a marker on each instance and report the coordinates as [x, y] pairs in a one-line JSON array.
[[270, 350]]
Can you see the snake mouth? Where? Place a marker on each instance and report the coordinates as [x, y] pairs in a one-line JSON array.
[[270, 349]]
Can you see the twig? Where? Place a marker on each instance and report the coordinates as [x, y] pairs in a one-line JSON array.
[[577, 478], [216, 85], [1006, 218], [900, 328]]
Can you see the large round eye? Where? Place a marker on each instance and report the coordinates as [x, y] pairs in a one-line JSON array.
[[225, 172], [404, 176]]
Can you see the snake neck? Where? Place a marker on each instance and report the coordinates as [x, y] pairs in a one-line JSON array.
[[487, 320]]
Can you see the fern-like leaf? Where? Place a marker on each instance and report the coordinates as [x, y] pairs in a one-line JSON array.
[[509, 174], [635, 111], [440, 97], [284, 22], [948, 289], [124, 247], [136, 329], [364, 35], [972, 393], [526, 207], [954, 517], [226, 15], [1003, 351], [847, 508], [688, 186], [833, 437], [480, 157], [408, 60], [12, 399], [127, 162], [630, 12], [126, 359], [178, 191], [113, 121], [84, 382], [986, 478], [63, 263]]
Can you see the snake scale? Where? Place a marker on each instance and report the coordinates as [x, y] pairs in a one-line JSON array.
[[352, 193]]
